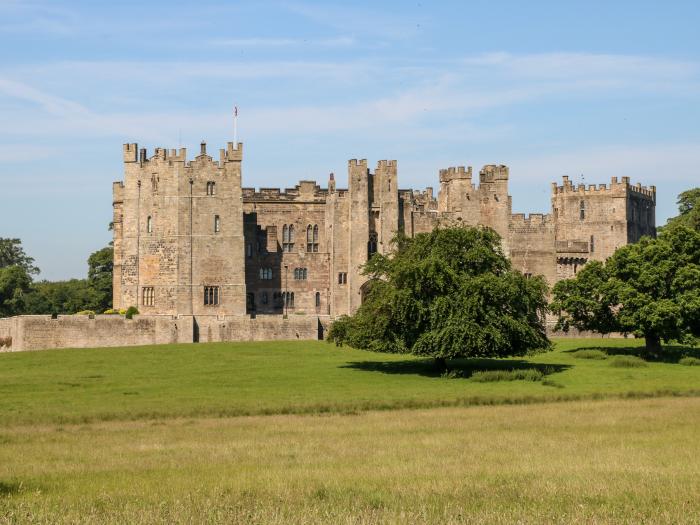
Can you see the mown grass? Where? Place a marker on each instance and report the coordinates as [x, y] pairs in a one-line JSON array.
[[234, 379], [583, 462]]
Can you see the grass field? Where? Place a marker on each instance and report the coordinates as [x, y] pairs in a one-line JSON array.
[[128, 435], [232, 379]]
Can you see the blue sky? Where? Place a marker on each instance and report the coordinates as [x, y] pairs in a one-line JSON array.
[[590, 89]]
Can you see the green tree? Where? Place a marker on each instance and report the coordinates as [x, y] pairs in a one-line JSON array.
[[14, 285], [447, 294], [12, 254], [100, 269], [689, 211], [650, 289]]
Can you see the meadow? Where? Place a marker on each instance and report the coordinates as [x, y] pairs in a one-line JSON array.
[[305, 432], [298, 377]]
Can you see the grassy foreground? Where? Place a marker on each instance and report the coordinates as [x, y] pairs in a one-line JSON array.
[[233, 379], [622, 461]]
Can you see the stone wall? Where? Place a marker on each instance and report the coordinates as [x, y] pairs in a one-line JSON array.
[[38, 332]]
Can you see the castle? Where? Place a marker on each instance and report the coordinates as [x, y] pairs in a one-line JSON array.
[[205, 259], [189, 240]]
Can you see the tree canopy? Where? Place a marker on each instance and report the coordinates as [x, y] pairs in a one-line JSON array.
[[650, 288], [446, 294], [12, 254]]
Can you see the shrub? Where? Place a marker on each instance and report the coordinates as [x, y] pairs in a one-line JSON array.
[[590, 354], [452, 374], [122, 311], [85, 312], [690, 361], [131, 312], [111, 311], [627, 361], [527, 374]]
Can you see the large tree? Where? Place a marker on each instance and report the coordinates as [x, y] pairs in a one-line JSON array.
[[100, 269], [447, 294], [12, 254], [689, 211], [650, 288]]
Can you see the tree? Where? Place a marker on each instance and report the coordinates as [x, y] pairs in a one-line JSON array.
[[14, 284], [12, 254], [446, 294], [100, 269], [650, 289], [689, 211]]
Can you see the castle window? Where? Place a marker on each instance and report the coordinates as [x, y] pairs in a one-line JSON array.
[[528, 276], [342, 278], [265, 274], [217, 224], [288, 238], [582, 210], [288, 299], [263, 299], [149, 225], [300, 274], [148, 296], [318, 299], [211, 188], [312, 238], [249, 250], [592, 244], [211, 295], [372, 244]]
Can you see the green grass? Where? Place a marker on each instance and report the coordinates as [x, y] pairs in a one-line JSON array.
[[689, 361], [589, 354], [525, 374], [232, 379], [622, 461], [627, 361]]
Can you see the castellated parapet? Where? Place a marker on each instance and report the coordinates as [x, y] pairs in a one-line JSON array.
[[183, 228]]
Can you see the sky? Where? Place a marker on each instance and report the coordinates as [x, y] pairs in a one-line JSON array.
[[590, 89]]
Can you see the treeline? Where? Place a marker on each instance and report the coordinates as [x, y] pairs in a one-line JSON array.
[[20, 294]]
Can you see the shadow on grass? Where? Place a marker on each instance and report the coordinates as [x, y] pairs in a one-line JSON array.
[[466, 367], [669, 354], [8, 488]]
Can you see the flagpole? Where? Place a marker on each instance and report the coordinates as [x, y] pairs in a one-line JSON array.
[[235, 127]]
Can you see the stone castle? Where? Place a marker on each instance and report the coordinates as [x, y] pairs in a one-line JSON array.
[[205, 259], [190, 240]]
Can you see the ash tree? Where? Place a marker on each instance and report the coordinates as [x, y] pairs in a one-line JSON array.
[[447, 294], [650, 288]]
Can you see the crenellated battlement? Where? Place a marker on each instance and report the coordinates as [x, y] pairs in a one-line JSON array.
[[492, 172], [534, 220], [132, 153], [384, 164], [304, 191], [455, 172], [623, 186]]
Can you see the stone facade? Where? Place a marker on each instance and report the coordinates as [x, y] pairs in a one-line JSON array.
[[184, 228]]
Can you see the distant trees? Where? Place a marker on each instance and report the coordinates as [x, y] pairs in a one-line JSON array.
[[447, 294], [650, 289], [20, 295]]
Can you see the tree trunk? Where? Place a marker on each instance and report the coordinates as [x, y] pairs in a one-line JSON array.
[[653, 345], [441, 364]]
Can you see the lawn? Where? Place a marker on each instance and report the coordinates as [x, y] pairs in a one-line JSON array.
[[233, 379], [615, 461]]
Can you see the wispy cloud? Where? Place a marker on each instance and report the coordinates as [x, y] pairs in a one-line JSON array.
[[341, 41]]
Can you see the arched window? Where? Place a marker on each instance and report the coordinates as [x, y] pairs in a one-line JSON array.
[[318, 299], [372, 244], [217, 224], [249, 250], [149, 224], [211, 188], [287, 238], [582, 210], [312, 238]]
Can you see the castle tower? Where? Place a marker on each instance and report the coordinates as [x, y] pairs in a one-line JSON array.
[[495, 209], [385, 206], [358, 229], [178, 233]]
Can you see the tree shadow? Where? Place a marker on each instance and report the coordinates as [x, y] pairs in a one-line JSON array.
[[669, 354], [463, 367], [8, 488]]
